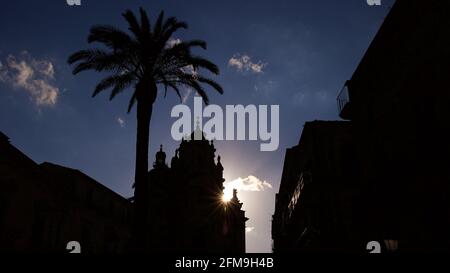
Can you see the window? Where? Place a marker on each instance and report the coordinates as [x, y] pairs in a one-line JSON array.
[[296, 195], [391, 245]]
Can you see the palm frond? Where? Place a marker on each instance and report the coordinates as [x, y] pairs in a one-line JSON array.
[[194, 43], [115, 80], [158, 25], [132, 101], [110, 36], [145, 22], [176, 89], [171, 29], [133, 23], [211, 83], [199, 89], [125, 81], [200, 62], [84, 55], [189, 80], [101, 60], [169, 21], [142, 55]]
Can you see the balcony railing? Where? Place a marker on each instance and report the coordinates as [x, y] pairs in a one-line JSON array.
[[343, 98], [343, 101]]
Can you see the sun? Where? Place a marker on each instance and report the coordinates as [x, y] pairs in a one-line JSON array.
[[227, 195]]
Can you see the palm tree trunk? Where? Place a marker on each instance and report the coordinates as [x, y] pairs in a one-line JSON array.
[[146, 95]]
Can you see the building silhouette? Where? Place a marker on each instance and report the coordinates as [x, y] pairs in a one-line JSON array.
[[314, 209], [195, 219], [45, 206], [396, 103]]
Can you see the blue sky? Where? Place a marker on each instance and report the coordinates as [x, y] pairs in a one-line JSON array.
[[303, 50]]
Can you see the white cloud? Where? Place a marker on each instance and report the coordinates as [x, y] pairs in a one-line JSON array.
[[249, 183], [249, 229], [121, 122], [44, 93], [45, 68], [32, 75], [171, 42], [244, 63], [190, 70]]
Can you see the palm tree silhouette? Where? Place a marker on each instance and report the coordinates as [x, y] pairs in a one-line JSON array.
[[146, 59]]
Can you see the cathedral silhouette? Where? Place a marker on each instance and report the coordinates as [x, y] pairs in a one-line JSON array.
[[194, 217]]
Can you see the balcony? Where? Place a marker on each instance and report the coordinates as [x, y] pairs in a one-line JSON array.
[[343, 101]]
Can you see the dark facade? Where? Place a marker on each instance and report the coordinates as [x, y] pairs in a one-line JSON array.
[[314, 207], [44, 206], [195, 219], [397, 104]]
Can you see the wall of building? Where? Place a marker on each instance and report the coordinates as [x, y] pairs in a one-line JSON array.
[[45, 206], [399, 107], [315, 206]]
